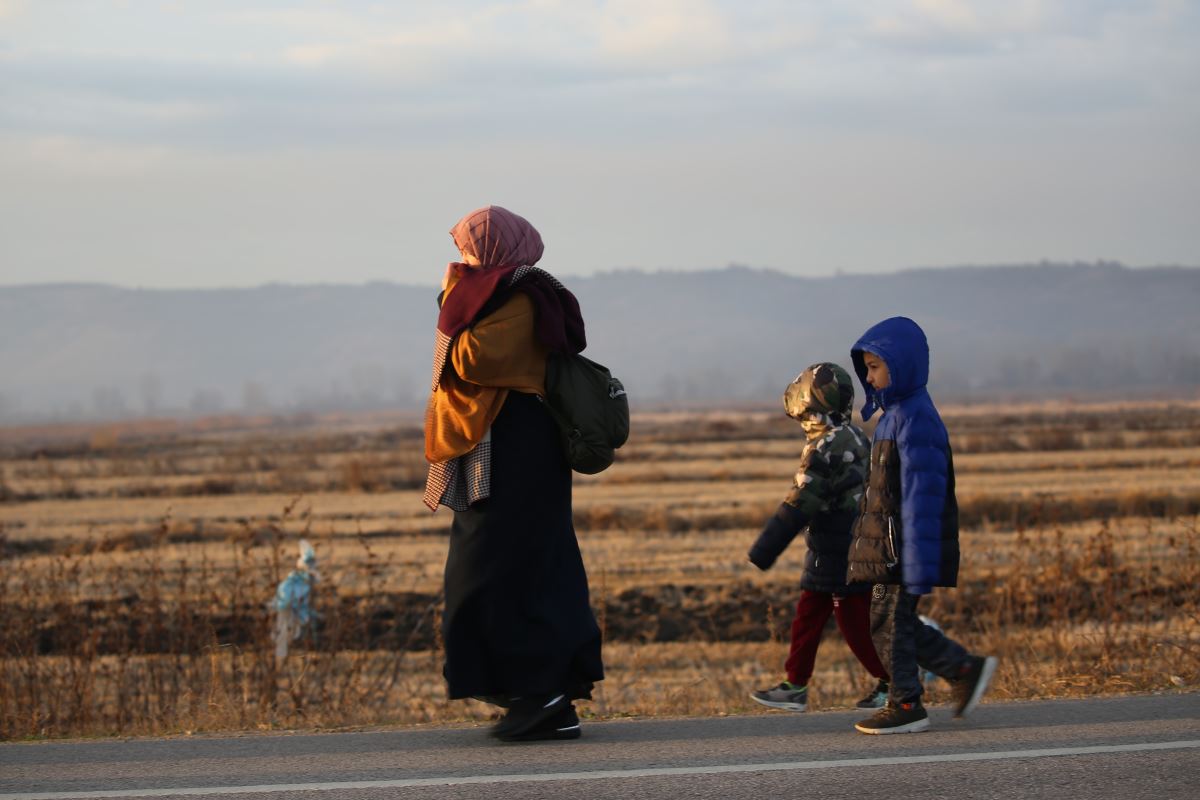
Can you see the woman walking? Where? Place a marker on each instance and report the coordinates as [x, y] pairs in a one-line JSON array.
[[518, 627]]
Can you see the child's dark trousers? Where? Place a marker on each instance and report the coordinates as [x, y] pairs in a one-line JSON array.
[[904, 642]]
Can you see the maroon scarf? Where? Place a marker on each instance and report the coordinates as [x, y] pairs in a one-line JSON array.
[[480, 291], [506, 247]]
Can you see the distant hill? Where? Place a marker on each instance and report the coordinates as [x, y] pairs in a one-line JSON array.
[[736, 335]]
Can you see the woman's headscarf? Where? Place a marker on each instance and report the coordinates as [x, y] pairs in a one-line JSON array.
[[506, 246], [496, 237]]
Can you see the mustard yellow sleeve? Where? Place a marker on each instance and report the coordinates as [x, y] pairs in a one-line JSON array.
[[502, 349]]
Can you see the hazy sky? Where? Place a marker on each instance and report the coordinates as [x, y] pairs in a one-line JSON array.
[[215, 143]]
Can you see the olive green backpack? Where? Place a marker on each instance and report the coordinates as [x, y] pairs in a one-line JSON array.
[[591, 409]]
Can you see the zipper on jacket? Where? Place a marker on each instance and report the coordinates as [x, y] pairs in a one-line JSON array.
[[891, 543]]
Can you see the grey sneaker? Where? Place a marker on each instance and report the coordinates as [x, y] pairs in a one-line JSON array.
[[876, 698], [896, 718], [785, 696], [968, 689]]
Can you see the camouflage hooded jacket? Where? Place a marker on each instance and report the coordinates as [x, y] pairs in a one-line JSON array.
[[828, 484]]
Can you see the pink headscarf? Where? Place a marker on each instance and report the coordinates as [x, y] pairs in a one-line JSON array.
[[497, 238], [506, 246]]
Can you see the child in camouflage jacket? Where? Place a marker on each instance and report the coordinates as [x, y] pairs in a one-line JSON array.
[[823, 502]]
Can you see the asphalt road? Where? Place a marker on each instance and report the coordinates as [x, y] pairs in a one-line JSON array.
[[1122, 748]]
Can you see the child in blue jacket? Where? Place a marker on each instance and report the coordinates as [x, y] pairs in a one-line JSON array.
[[905, 539]]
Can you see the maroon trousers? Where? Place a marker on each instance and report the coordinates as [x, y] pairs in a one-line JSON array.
[[853, 614]]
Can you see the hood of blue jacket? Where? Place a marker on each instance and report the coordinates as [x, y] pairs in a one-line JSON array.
[[901, 344]]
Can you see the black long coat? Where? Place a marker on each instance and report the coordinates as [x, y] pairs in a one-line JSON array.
[[518, 620]]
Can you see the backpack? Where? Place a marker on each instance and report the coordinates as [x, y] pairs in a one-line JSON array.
[[590, 408]]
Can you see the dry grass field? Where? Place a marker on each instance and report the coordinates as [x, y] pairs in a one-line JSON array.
[[137, 562]]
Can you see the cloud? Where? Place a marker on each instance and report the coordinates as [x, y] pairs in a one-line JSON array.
[[586, 74], [12, 8], [67, 157], [925, 120], [668, 32], [960, 27], [613, 32]]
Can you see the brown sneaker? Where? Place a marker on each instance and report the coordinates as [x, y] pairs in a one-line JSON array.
[[896, 718], [971, 686]]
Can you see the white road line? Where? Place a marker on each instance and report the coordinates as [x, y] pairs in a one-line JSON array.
[[610, 774]]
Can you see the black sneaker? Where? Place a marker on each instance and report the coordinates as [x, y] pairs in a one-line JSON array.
[[786, 696], [876, 698], [896, 718], [526, 713], [973, 683], [563, 725]]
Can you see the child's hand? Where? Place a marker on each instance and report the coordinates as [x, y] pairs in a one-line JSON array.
[[761, 559], [776, 535]]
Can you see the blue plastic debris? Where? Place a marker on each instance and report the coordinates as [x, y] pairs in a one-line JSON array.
[[292, 605]]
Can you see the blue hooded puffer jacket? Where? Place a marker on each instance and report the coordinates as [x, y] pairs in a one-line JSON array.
[[907, 529]]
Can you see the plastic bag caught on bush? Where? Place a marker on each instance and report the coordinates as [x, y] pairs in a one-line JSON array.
[[292, 604]]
